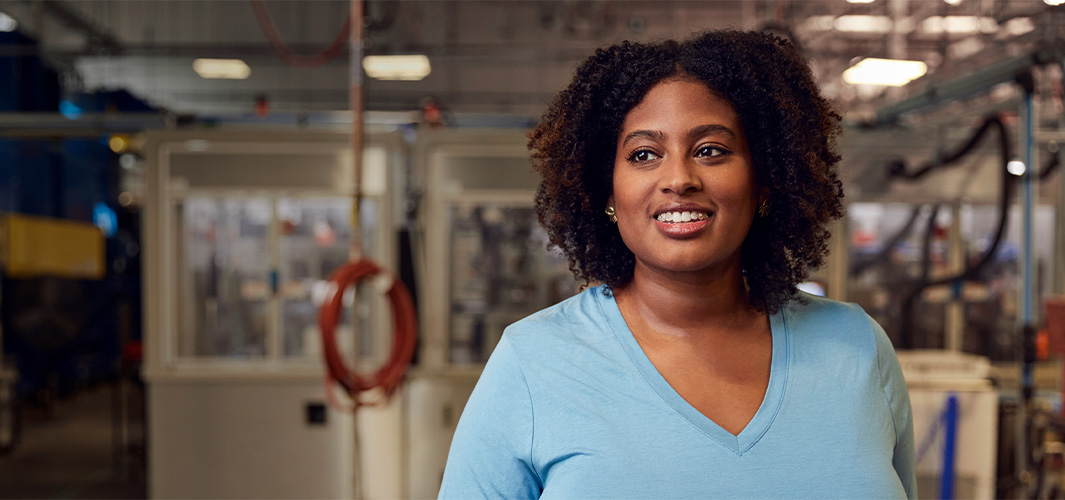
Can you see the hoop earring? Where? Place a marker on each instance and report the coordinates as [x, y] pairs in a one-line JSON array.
[[612, 214], [763, 209]]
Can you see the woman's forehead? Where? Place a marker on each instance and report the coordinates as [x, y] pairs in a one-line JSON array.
[[677, 102]]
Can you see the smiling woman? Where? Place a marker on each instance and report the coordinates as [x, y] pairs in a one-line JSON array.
[[695, 182]]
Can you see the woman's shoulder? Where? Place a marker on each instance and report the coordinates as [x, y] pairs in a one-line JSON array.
[[817, 321], [808, 308], [577, 320], [577, 308]]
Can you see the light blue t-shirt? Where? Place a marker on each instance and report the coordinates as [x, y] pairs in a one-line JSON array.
[[570, 407]]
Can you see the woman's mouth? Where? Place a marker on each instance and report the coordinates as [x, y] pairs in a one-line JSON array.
[[682, 224], [682, 217]]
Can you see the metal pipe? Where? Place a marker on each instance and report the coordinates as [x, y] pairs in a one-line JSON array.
[[950, 431], [1028, 206], [977, 82], [955, 320], [355, 52], [1022, 454]]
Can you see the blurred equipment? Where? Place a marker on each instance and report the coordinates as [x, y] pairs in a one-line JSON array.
[[243, 231], [486, 265], [970, 280], [35, 246], [955, 416]]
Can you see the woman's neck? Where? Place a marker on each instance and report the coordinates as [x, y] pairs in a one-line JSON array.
[[689, 306]]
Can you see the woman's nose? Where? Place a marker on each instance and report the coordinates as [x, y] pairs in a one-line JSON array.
[[680, 176]]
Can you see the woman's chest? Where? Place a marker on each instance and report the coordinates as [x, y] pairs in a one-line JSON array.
[[834, 441]]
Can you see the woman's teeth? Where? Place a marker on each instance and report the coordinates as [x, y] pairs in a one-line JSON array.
[[682, 216]]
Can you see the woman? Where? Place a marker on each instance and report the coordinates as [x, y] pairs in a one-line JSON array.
[[695, 181]]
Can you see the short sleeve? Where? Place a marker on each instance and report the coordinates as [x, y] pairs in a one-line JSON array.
[[490, 454], [898, 399]]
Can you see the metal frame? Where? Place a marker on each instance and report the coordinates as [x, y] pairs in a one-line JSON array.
[[163, 362], [436, 280]]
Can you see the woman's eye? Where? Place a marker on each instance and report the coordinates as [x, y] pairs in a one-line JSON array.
[[642, 156], [709, 151]]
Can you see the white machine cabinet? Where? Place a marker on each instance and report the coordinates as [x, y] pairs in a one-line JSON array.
[[242, 229], [487, 266], [932, 377]]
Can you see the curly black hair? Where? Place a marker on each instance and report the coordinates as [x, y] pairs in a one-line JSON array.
[[791, 131]]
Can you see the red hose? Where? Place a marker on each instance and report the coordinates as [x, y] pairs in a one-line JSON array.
[[390, 375], [286, 53]]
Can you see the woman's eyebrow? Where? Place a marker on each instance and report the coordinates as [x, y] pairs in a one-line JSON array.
[[709, 129], [650, 134]]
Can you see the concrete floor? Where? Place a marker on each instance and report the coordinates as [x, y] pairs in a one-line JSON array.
[[68, 452]]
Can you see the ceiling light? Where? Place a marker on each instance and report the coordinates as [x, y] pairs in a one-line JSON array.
[[409, 67], [1053, 2], [864, 24], [1020, 25], [859, 1], [7, 23], [959, 24], [226, 69], [889, 72], [952, 2], [1016, 167], [820, 23]]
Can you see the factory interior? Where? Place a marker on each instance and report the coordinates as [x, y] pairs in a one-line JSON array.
[[264, 248]]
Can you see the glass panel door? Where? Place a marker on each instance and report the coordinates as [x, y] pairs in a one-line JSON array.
[[315, 240], [223, 275], [500, 272]]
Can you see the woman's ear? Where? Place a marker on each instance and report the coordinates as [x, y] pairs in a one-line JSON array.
[[610, 201]]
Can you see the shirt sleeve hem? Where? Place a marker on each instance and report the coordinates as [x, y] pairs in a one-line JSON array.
[[883, 387], [532, 414]]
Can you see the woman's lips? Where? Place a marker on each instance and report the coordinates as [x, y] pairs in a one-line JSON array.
[[682, 229]]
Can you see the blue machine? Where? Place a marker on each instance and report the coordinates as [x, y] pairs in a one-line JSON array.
[[64, 334]]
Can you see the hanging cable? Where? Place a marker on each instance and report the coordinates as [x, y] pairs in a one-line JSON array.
[[286, 53], [883, 256], [898, 169], [926, 246], [1005, 194], [388, 377], [1051, 165]]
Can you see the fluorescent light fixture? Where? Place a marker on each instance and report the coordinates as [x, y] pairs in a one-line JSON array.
[[1020, 25], [408, 67], [1016, 167], [224, 69], [959, 24], [887, 72], [7, 23], [864, 24], [821, 23]]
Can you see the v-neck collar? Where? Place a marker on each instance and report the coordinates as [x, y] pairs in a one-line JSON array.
[[759, 424]]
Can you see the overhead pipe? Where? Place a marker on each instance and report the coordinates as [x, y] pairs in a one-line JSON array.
[[977, 82]]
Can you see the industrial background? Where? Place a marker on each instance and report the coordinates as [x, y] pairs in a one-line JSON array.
[[178, 186]]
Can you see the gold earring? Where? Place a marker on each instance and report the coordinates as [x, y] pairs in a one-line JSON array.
[[763, 209], [612, 214]]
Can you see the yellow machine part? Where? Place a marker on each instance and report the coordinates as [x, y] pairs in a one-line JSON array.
[[33, 246]]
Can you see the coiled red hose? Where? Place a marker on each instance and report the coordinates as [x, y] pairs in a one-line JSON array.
[[405, 323], [285, 53]]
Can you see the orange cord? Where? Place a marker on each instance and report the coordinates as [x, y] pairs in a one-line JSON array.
[[405, 323], [282, 49]]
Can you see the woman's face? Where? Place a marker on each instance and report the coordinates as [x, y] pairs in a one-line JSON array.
[[684, 185]]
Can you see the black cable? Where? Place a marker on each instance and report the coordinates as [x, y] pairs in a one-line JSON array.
[[881, 257], [1050, 167], [926, 247], [898, 169], [969, 272]]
